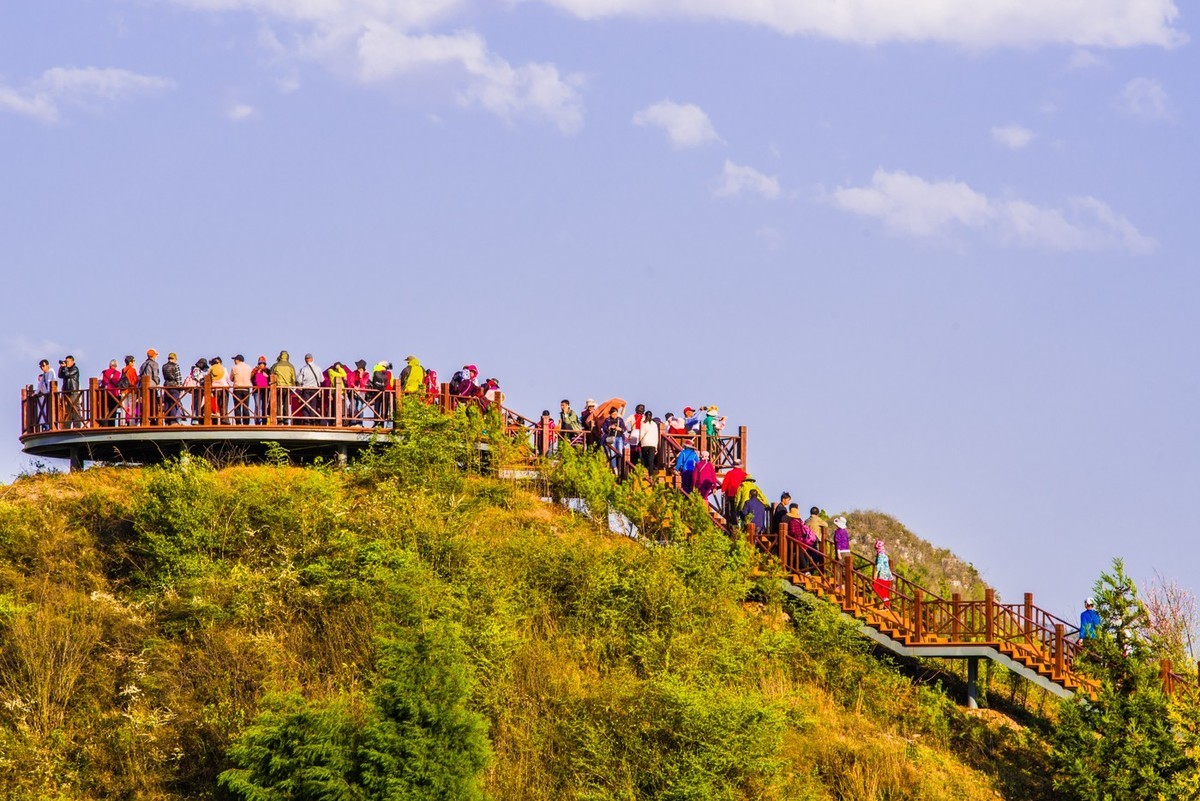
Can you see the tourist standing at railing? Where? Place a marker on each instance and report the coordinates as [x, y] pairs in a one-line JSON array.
[[818, 526], [546, 435], [412, 377], [1089, 621], [591, 426], [713, 426], [633, 425], [335, 377], [44, 380], [129, 390], [568, 420], [753, 510], [220, 389], [110, 411], [308, 382], [779, 512], [358, 383], [283, 376], [883, 575], [150, 369], [462, 383], [693, 419], [173, 394], [649, 443], [195, 382], [490, 391], [730, 483], [381, 384], [685, 465], [432, 388], [613, 433], [240, 378], [260, 379]]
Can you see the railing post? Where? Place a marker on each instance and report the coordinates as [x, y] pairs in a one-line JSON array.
[[25, 411], [398, 406], [444, 397], [956, 617], [144, 386], [52, 406], [1027, 628], [742, 445], [917, 623], [989, 615], [1059, 655], [848, 582], [339, 401], [96, 404], [703, 440], [782, 548], [272, 401], [751, 530], [208, 398]]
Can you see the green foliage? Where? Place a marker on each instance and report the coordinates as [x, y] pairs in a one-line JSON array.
[[297, 750], [1127, 743]]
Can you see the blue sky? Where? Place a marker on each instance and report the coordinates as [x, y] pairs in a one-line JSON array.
[[938, 257]]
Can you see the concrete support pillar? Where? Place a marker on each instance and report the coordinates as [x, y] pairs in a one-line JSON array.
[[972, 682], [76, 459]]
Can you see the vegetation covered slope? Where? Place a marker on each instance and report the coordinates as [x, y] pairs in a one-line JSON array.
[[405, 629]]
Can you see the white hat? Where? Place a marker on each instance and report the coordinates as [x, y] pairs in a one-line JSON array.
[[840, 522], [590, 402], [1089, 602]]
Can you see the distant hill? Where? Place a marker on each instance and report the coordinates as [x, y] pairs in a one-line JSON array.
[[918, 560]]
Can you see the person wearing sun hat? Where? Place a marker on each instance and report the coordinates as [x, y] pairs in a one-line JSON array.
[[591, 425], [841, 537]]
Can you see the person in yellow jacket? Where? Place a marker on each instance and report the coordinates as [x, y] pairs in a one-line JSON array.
[[743, 492], [412, 377]]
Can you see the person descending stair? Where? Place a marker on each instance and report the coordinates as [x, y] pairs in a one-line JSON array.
[[883, 575]]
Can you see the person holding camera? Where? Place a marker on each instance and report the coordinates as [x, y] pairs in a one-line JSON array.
[[68, 375]]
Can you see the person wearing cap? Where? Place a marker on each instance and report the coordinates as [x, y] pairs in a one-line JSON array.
[[173, 393], [150, 370], [591, 425], [1089, 621], [129, 393], [743, 491], [283, 376], [260, 380], [308, 382], [381, 386], [713, 425], [240, 379], [693, 419]]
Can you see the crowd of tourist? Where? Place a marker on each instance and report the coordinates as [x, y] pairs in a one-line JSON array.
[[242, 394]]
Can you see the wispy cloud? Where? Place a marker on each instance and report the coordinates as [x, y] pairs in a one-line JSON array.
[[24, 350], [1014, 137], [374, 41], [240, 111], [1144, 98], [912, 206], [1083, 59], [995, 23], [685, 124], [43, 99], [736, 179]]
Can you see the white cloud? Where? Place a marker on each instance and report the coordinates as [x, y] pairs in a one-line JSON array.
[[381, 40], [983, 23], [1144, 98], [24, 350], [912, 206], [86, 87], [685, 124], [240, 111], [736, 179], [1013, 137]]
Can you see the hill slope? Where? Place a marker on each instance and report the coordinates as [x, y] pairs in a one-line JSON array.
[[404, 630], [934, 568]]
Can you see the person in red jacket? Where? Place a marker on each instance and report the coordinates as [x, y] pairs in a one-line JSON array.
[[729, 488]]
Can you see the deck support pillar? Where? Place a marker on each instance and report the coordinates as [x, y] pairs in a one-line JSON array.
[[76, 458], [973, 682]]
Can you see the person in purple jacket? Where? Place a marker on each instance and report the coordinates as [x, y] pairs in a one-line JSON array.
[[841, 537]]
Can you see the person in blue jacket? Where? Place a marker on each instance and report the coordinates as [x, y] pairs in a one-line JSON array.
[[1089, 621], [685, 465]]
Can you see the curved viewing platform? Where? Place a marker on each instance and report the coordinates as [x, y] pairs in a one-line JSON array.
[[149, 423]]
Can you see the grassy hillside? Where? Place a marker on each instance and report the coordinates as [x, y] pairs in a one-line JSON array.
[[407, 629]]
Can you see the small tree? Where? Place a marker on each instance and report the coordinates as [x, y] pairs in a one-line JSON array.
[[1123, 744]]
